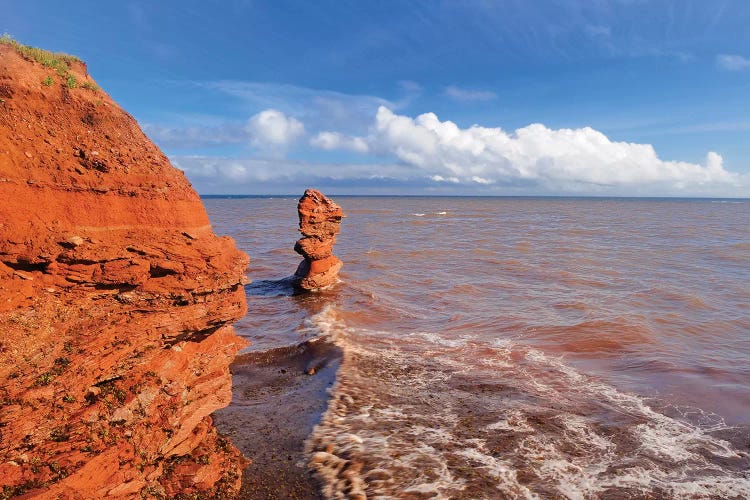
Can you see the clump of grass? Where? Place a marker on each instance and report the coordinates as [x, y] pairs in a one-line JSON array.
[[89, 86], [71, 82], [47, 82], [46, 378], [58, 61], [44, 57], [13, 491], [60, 434]]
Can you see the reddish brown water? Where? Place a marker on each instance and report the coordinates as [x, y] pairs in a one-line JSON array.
[[499, 347]]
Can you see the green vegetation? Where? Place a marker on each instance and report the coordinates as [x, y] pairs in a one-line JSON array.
[[14, 491], [46, 378], [71, 82], [89, 86], [62, 362], [46, 58], [60, 434], [58, 61]]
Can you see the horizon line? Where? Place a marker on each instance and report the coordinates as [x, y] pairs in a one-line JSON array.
[[573, 196]]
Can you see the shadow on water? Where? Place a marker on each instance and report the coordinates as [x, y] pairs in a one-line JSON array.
[[283, 287], [278, 395]]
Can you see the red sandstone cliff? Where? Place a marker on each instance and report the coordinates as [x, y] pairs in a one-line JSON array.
[[319, 222], [116, 301]]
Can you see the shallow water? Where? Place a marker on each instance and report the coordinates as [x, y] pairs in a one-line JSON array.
[[520, 347]]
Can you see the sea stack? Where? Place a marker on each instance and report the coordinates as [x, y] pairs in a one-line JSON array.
[[319, 222]]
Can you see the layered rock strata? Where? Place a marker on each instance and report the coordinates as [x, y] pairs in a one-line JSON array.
[[116, 301], [319, 222]]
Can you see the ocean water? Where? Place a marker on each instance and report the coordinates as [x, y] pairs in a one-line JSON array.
[[519, 347]]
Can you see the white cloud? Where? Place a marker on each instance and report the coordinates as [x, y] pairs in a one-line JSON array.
[[480, 180], [732, 62], [336, 140], [273, 129], [563, 159], [318, 109], [217, 175], [195, 136], [469, 95], [424, 154], [410, 86], [440, 178]]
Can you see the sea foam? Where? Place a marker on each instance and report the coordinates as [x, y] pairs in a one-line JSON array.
[[458, 417]]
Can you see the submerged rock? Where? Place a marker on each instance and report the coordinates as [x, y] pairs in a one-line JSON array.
[[319, 222]]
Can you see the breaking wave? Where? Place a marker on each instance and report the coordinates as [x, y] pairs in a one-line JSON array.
[[422, 416]]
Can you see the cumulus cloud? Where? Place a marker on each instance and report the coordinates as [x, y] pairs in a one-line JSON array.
[[424, 154], [550, 160], [273, 129], [460, 94], [336, 140], [732, 62], [554, 158]]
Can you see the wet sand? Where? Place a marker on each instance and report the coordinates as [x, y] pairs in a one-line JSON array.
[[278, 397]]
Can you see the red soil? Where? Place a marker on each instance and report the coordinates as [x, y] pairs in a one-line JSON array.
[[116, 303]]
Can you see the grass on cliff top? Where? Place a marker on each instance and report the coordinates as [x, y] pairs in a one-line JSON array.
[[55, 60], [58, 61]]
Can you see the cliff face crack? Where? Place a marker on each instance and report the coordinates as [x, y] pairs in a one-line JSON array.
[[122, 288], [190, 336], [26, 266]]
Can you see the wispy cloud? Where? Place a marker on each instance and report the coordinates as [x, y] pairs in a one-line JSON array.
[[217, 175], [597, 30], [702, 128], [732, 62], [410, 86], [335, 140], [461, 94], [196, 136], [318, 109]]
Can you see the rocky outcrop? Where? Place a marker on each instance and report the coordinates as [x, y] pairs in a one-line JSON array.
[[116, 300], [319, 222]]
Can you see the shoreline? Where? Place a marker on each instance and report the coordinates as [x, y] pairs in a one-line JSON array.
[[278, 396]]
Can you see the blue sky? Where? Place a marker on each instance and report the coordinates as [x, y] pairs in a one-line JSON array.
[[603, 97]]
